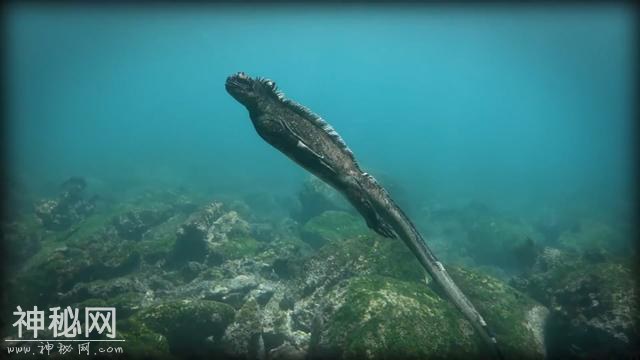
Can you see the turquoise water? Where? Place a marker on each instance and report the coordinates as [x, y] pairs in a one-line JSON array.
[[510, 106], [506, 134]]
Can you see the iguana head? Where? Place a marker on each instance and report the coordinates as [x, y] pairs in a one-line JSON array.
[[253, 93]]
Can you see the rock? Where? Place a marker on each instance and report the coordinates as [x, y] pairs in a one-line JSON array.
[[591, 234], [74, 185], [262, 293], [381, 317], [277, 325], [184, 205], [551, 222], [21, 241], [287, 303], [240, 337], [158, 243], [102, 289], [58, 270], [51, 216], [476, 236], [67, 209], [503, 243], [361, 255], [229, 225], [133, 224], [264, 232], [241, 208], [206, 234], [18, 199], [187, 324], [316, 197], [594, 306], [239, 247], [286, 351], [141, 341], [378, 317], [343, 291], [368, 290], [517, 319], [232, 291], [190, 242], [191, 270], [265, 206], [331, 226]]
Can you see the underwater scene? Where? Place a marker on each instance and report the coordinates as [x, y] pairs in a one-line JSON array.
[[319, 182]]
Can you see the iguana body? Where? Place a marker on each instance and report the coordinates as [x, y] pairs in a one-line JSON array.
[[313, 144]]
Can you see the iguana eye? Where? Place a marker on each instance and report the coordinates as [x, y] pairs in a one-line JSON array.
[[270, 83]]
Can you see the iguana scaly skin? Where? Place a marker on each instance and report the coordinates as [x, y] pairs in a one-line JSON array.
[[313, 144]]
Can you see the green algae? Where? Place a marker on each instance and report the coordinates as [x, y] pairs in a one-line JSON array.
[[141, 341], [238, 247], [505, 309], [245, 325], [373, 254], [382, 317], [186, 323], [596, 235], [332, 226]]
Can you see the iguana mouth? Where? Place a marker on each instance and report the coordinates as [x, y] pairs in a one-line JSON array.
[[240, 86], [239, 79]]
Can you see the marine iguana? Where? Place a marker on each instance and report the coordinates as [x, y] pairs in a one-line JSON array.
[[313, 144]]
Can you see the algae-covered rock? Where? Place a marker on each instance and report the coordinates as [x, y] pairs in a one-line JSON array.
[[159, 241], [282, 256], [213, 235], [282, 332], [359, 255], [103, 288], [591, 234], [22, 239], [141, 341], [191, 242], [68, 208], [232, 291], [517, 319], [316, 197], [236, 247], [594, 304], [375, 303], [476, 235], [501, 242], [187, 323], [382, 317], [242, 335], [134, 223], [332, 226], [58, 270]]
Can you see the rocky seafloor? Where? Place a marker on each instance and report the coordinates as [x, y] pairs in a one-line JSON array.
[[192, 276]]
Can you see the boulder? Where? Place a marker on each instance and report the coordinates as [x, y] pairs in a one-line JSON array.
[[330, 226], [191, 327], [68, 208], [205, 236], [593, 304], [316, 197], [134, 223]]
